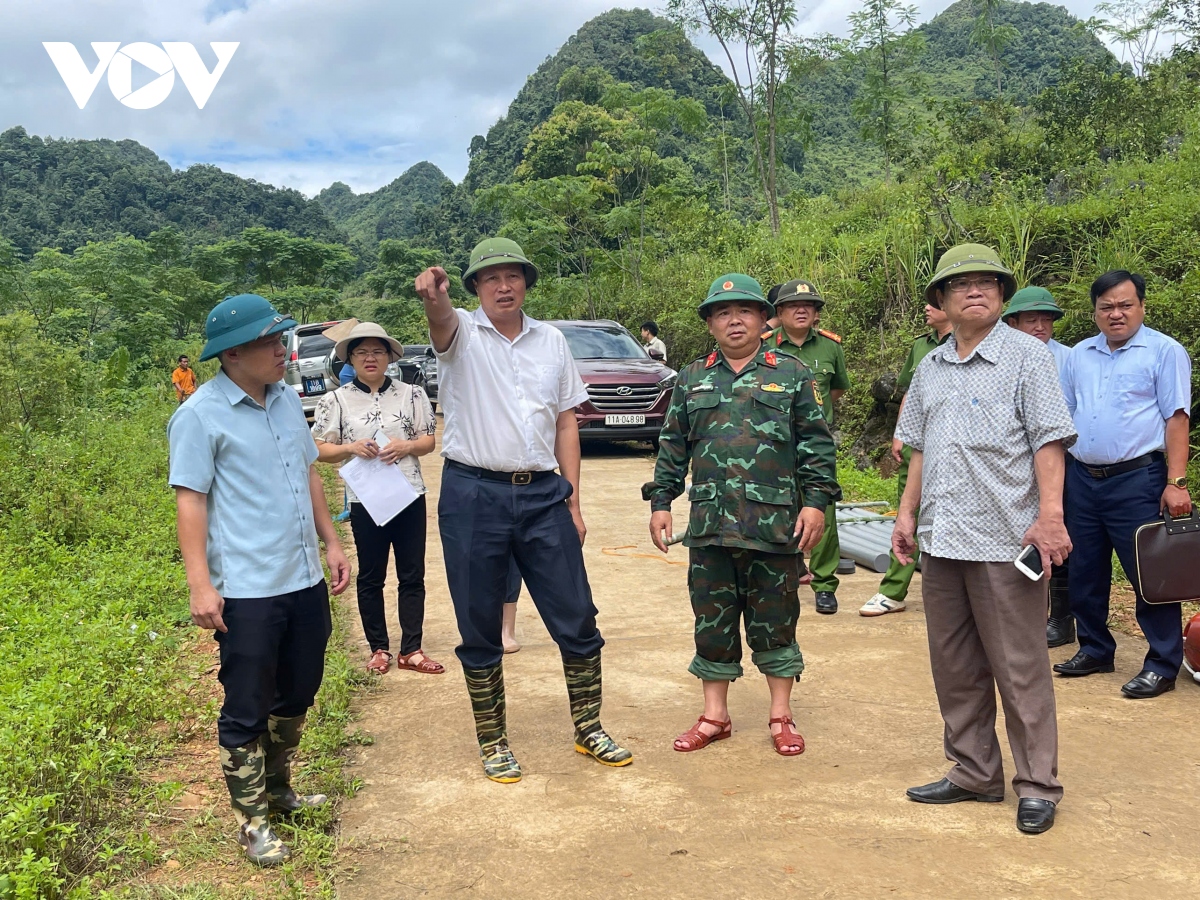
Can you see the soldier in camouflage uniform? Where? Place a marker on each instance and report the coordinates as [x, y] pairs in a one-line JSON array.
[[762, 461], [798, 305]]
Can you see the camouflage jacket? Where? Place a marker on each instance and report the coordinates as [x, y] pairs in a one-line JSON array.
[[758, 446]]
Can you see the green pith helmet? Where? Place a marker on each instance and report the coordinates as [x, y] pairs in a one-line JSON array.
[[1032, 299], [498, 252], [967, 258], [799, 289], [731, 288], [239, 320]]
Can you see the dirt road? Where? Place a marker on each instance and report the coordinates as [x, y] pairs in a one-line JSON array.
[[736, 820]]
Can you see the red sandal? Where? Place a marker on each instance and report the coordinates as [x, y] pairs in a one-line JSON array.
[[695, 739], [380, 662], [788, 742], [426, 665]]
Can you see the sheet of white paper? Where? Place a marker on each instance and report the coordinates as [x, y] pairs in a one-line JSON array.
[[380, 487]]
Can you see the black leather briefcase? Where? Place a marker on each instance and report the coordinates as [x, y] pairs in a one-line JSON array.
[[1167, 554]]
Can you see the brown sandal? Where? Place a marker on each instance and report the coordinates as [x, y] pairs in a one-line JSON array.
[[695, 739], [380, 662], [426, 665], [788, 737]]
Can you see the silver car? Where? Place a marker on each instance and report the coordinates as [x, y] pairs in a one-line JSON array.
[[310, 364]]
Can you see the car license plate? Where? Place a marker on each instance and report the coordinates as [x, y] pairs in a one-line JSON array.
[[625, 419], [314, 385]]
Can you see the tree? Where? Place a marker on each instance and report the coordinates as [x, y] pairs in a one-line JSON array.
[[753, 36], [992, 37], [890, 56], [1137, 25]]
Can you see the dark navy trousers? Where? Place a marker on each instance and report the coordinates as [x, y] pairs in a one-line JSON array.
[[272, 660], [485, 525], [1102, 516]]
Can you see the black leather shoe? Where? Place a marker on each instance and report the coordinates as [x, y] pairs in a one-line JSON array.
[[1060, 632], [1082, 664], [1147, 684], [826, 602], [1035, 816], [946, 791]]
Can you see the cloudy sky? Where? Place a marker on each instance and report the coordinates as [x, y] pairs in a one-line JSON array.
[[318, 91]]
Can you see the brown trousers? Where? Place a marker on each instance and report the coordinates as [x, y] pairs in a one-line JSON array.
[[987, 629]]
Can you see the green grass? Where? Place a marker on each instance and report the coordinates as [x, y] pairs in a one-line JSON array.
[[863, 484], [99, 683]]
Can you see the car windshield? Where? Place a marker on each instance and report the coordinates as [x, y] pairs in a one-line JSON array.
[[314, 345], [601, 343], [415, 349]]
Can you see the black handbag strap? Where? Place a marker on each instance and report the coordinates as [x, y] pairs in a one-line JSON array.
[[1185, 525]]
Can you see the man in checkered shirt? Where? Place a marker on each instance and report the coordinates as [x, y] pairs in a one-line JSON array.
[[988, 425]]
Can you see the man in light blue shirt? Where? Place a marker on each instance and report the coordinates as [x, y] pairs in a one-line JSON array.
[[1033, 311], [1129, 393], [250, 508]]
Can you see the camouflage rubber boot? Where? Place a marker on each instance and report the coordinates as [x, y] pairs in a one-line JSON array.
[[486, 687], [282, 739], [246, 777], [583, 689]]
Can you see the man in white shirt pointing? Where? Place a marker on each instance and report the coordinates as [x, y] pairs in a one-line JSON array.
[[508, 390]]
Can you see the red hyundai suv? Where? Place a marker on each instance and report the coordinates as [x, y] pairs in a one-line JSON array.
[[628, 392]]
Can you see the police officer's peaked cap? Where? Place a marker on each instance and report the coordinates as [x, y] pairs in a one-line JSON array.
[[965, 259], [239, 320], [1032, 299], [498, 252], [799, 289], [731, 289]]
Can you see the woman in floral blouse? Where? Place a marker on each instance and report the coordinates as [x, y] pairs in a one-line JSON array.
[[346, 424]]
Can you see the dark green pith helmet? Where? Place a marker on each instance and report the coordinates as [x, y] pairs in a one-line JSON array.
[[498, 252], [731, 288], [967, 258], [1032, 299], [799, 289]]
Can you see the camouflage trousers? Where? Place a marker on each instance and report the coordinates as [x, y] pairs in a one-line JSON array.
[[728, 584]]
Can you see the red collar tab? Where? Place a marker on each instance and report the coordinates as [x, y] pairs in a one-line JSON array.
[[711, 361], [779, 336], [770, 358]]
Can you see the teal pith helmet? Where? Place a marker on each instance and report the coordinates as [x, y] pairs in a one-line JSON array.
[[498, 252], [1032, 299], [239, 320], [733, 287], [967, 258]]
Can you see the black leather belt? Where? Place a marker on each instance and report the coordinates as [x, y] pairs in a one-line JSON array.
[[506, 477], [1141, 462]]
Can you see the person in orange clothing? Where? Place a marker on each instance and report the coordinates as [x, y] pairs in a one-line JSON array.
[[184, 379]]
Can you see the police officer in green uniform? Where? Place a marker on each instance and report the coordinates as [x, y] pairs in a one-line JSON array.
[[893, 589], [762, 459], [798, 306]]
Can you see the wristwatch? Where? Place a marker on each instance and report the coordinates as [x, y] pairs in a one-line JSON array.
[[1180, 482]]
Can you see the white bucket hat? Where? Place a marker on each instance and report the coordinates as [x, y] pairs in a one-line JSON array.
[[366, 330]]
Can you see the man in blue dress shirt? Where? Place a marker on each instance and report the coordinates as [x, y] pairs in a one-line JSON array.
[[1129, 392], [250, 509]]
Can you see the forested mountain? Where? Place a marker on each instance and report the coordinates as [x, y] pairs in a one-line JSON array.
[[394, 211], [633, 46], [64, 193], [1045, 40]]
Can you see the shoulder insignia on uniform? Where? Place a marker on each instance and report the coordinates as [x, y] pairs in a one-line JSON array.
[[830, 335], [699, 388], [770, 358], [773, 388], [711, 361]]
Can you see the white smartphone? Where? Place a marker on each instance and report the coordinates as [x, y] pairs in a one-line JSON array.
[[382, 439], [1029, 563]]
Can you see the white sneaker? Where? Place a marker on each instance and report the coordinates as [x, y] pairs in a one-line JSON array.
[[879, 605]]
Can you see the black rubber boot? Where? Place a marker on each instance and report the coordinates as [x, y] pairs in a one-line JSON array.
[[1060, 629]]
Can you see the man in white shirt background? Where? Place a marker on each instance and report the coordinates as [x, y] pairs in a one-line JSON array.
[[508, 391]]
